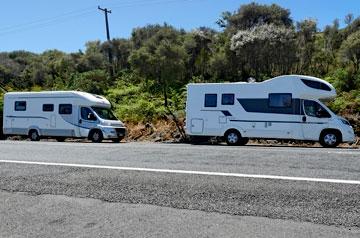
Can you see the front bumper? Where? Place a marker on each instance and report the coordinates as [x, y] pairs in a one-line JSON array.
[[348, 137], [114, 133]]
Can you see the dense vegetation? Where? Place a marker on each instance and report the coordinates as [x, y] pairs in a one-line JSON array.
[[148, 73]]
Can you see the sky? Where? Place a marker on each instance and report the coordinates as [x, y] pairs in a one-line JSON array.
[[66, 25]]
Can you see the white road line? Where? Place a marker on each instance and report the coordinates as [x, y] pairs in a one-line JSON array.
[[239, 175]]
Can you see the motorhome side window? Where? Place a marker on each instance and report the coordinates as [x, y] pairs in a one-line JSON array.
[[280, 100], [20, 106], [65, 109], [227, 99], [48, 107], [210, 100]]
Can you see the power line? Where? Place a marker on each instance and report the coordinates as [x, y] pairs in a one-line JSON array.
[[45, 22], [82, 11], [144, 2]]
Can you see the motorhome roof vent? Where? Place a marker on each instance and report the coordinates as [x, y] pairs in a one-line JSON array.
[[251, 80], [98, 96]]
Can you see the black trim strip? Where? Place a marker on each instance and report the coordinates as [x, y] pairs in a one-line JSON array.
[[261, 105], [226, 113], [295, 122], [28, 117], [37, 97]]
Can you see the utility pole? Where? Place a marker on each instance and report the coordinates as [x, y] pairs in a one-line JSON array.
[[106, 11]]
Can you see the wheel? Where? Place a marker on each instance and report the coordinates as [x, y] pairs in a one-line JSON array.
[[96, 136], [233, 137], [330, 139], [34, 135]]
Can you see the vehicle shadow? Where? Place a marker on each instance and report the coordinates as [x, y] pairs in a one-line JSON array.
[[279, 145]]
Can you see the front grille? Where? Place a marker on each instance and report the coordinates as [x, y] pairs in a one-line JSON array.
[[120, 131]]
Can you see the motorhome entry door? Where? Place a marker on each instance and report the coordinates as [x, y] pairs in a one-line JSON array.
[[197, 125], [52, 121]]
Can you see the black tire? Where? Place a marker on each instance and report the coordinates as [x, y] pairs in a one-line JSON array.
[[34, 135], [96, 136], [233, 137], [330, 138]]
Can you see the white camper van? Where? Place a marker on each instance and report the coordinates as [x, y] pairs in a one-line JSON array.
[[60, 114], [285, 107]]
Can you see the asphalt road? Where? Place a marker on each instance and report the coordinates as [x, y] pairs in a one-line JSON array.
[[43, 200]]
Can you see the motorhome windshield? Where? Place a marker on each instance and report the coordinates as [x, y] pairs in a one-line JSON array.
[[104, 113], [326, 104]]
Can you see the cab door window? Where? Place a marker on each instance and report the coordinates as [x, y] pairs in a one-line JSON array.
[[87, 114], [314, 109]]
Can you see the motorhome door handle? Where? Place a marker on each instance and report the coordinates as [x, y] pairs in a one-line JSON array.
[[80, 121], [304, 118]]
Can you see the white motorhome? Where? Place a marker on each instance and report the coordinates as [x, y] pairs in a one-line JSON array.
[[60, 114], [285, 107]]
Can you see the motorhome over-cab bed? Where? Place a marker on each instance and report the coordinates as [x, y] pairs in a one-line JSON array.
[[60, 114], [285, 107]]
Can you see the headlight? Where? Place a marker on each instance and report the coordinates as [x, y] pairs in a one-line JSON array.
[[109, 130], [346, 122], [106, 123]]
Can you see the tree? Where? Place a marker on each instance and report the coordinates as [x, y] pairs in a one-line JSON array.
[[141, 35], [121, 51], [267, 49], [332, 37], [198, 45], [94, 58], [350, 50], [142, 62], [306, 31], [92, 82], [354, 26], [171, 67], [145, 60], [349, 19], [253, 14]]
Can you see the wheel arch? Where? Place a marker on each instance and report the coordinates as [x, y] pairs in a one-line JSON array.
[[92, 130], [333, 130], [37, 129], [228, 130]]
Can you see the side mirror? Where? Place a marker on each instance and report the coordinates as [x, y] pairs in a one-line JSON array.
[[321, 113], [91, 117]]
